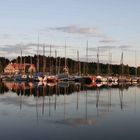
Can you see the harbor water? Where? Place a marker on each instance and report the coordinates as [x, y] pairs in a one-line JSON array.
[[69, 111]]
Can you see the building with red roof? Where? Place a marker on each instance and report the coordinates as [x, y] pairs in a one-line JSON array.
[[15, 68]]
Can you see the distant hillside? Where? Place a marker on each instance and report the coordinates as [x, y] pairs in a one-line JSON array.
[[56, 65]]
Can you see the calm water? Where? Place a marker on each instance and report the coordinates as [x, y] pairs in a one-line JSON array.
[[69, 111]]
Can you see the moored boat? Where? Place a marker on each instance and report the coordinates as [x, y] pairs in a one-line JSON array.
[[51, 79]]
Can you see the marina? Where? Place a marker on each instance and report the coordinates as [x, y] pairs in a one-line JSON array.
[[69, 108], [41, 95], [69, 70]]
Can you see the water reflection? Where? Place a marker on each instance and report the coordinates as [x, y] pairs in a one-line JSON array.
[[71, 110], [48, 89], [3, 88], [69, 102]]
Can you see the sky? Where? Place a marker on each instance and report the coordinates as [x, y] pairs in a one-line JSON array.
[[110, 25]]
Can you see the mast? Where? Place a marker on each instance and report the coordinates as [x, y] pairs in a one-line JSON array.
[[21, 62], [44, 59], [122, 70], [59, 64], [38, 55], [65, 56], [78, 68], [65, 67], [87, 58], [109, 63], [136, 73], [24, 64], [21, 57], [98, 68], [56, 62], [78, 62], [50, 59], [31, 62]]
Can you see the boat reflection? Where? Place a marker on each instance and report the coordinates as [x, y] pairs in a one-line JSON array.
[[28, 88]]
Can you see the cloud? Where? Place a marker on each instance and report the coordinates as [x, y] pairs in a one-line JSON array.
[[86, 31], [102, 48], [14, 50], [108, 41], [126, 47], [16, 100], [93, 49], [2, 52], [5, 36], [107, 47]]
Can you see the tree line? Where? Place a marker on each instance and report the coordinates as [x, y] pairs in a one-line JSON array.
[[56, 65]]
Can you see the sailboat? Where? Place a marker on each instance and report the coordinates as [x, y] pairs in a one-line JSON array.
[[51, 78], [99, 78], [38, 76], [65, 75], [22, 76], [123, 78], [111, 78], [82, 79], [135, 79]]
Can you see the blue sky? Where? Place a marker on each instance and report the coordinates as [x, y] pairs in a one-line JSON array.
[[106, 24]]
